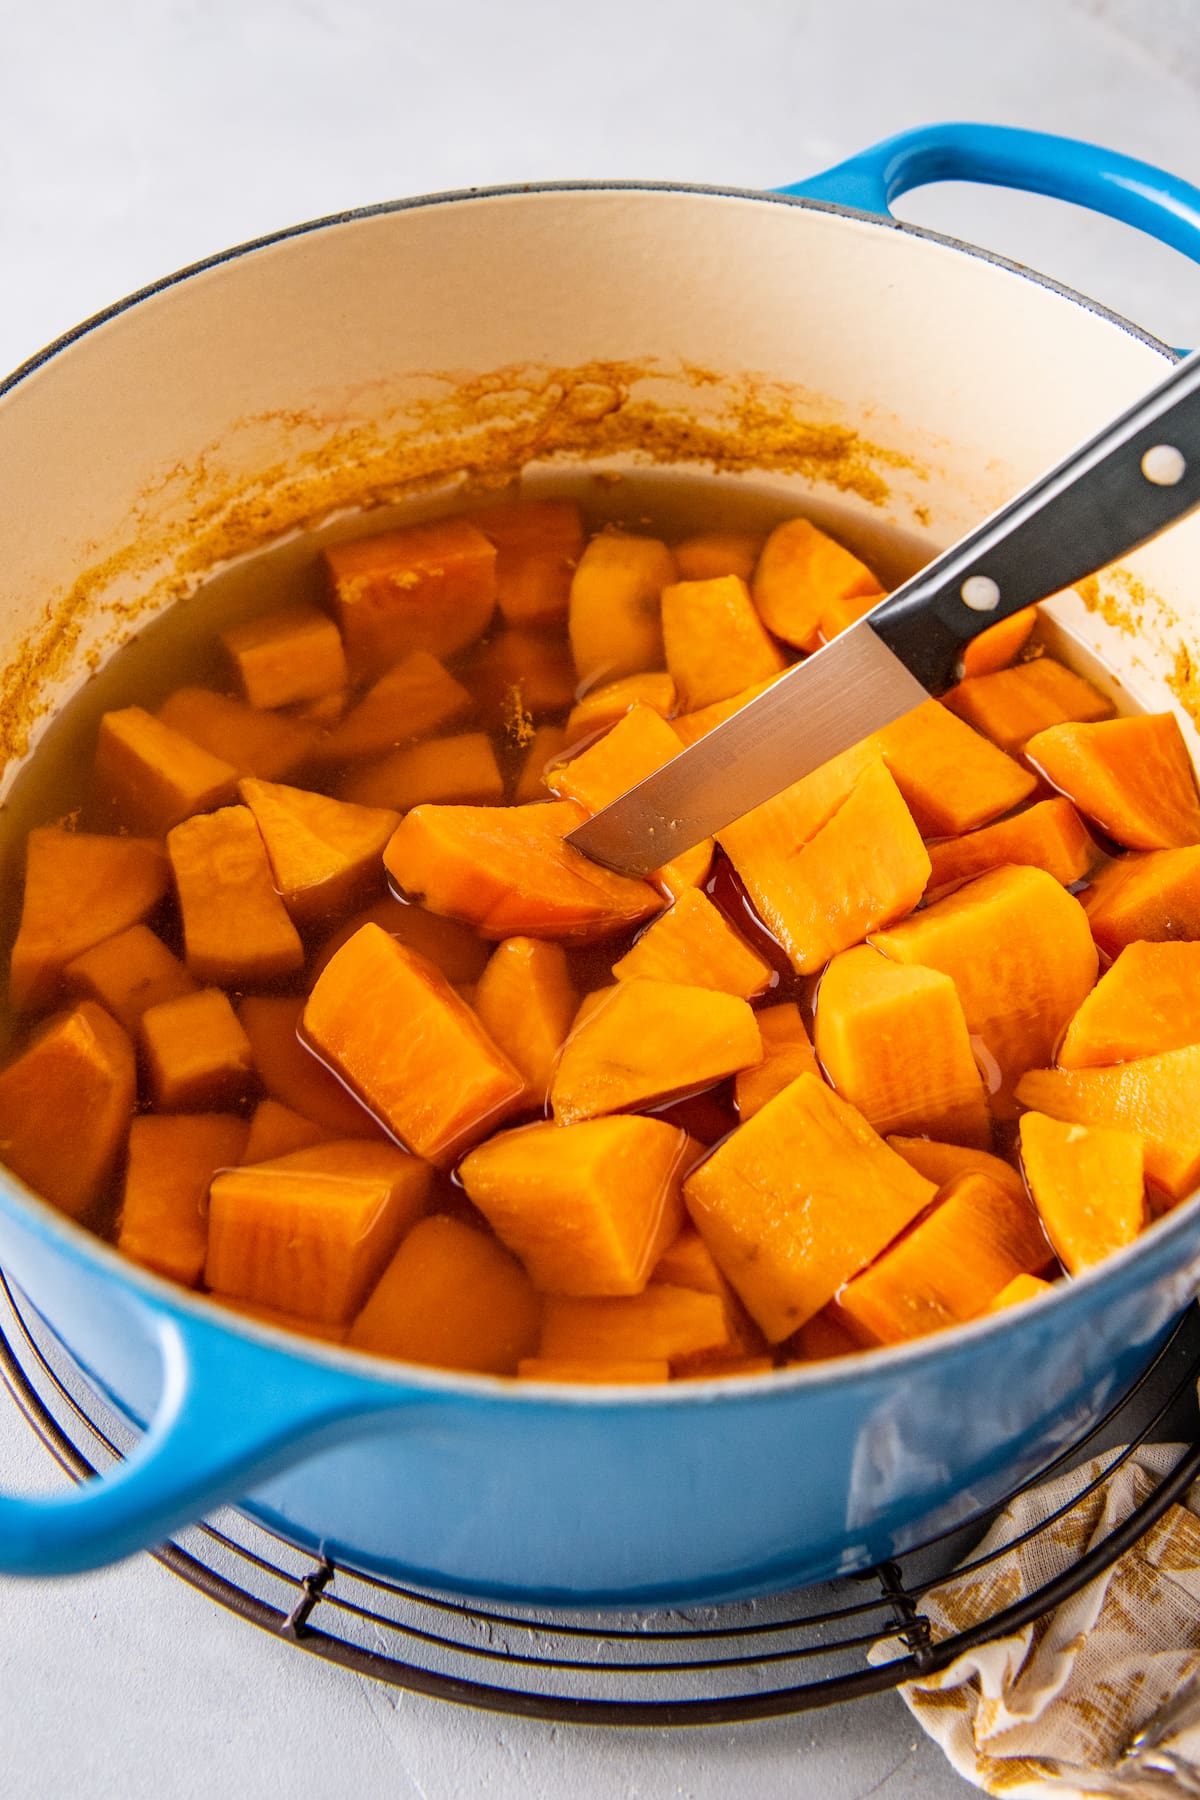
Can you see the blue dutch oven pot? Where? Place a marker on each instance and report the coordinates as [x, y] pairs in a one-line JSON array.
[[703, 1490]]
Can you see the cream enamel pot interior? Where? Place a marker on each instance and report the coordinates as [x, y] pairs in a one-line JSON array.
[[874, 372]]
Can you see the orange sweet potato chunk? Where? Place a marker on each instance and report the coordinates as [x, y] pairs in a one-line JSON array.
[[943, 1163], [800, 573], [325, 854], [291, 1073], [275, 1130], [951, 778], [587, 1208], [788, 1053], [660, 1323], [507, 871], [695, 944], [254, 742], [797, 1200], [526, 1001], [128, 973], [862, 867], [1013, 705], [648, 1039], [1133, 777], [164, 1220], [310, 1233], [453, 1298], [538, 543], [522, 675], [603, 706], [80, 888], [1016, 1005], [614, 617], [1088, 1184], [150, 777], [1049, 836], [458, 953], [1020, 1289], [282, 657], [236, 930], [425, 587], [391, 1026], [893, 1040], [1000, 644], [1151, 895], [1149, 1000], [196, 1053], [949, 1267], [1154, 1098], [79, 1069], [416, 697], [452, 770], [639, 744], [710, 554], [619, 1371], [545, 747], [715, 642]]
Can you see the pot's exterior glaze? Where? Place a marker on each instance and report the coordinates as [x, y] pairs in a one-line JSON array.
[[967, 377]]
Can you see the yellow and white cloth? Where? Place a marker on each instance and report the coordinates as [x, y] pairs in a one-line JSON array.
[[1050, 1710]]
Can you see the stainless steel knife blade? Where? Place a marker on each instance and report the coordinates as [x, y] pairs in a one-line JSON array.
[[847, 690]]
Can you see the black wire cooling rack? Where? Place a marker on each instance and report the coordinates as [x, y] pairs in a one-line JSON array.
[[693, 1666]]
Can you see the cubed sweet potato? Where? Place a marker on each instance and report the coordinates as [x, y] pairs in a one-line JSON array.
[[458, 770], [65, 1106], [716, 644], [694, 943], [254, 742], [800, 572], [149, 777], [1088, 1183], [80, 888], [128, 973], [236, 930], [197, 1055], [526, 1001], [282, 657], [164, 1216], [538, 543], [424, 587], [325, 855], [415, 698], [615, 612], [787, 1053]]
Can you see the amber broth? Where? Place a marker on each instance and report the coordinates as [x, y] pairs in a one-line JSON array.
[[181, 647]]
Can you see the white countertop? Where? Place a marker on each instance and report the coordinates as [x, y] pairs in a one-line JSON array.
[[140, 136]]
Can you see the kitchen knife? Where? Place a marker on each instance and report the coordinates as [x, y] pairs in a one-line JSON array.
[[1119, 489]]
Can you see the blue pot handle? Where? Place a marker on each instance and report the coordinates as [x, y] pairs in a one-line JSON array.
[[1134, 192], [231, 1412]]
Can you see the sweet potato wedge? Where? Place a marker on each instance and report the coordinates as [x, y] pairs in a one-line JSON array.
[[950, 1266], [424, 587], [416, 697], [163, 1221], [128, 973], [1049, 836], [951, 778], [800, 572], [710, 554], [1016, 1006], [1088, 1184], [943, 1163], [148, 777], [390, 1025], [716, 644], [451, 1297], [1149, 1000], [526, 1001], [325, 855], [291, 1073], [507, 871], [458, 770], [236, 930], [282, 657], [310, 1233], [80, 888], [1154, 1098], [799, 1199], [695, 944], [196, 1054], [1000, 644], [458, 953], [788, 1053], [79, 1069], [1147, 895], [893, 1040], [1013, 705], [254, 742], [276, 1130], [1132, 777], [649, 1039], [538, 543], [587, 1208], [614, 619]]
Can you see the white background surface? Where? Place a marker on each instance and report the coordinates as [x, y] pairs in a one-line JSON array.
[[138, 136]]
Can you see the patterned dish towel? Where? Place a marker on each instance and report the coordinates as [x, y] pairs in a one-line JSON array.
[[1103, 1695]]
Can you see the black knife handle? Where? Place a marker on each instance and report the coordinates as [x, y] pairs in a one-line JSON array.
[[1122, 487]]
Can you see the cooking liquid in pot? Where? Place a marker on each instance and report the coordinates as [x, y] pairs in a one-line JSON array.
[[596, 1331]]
